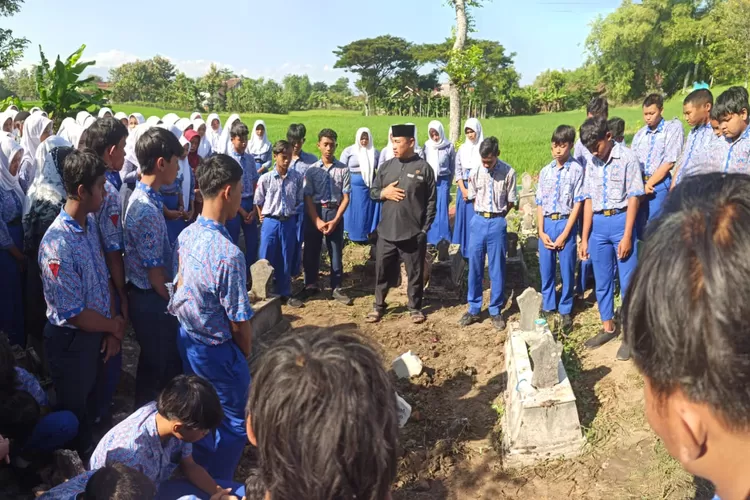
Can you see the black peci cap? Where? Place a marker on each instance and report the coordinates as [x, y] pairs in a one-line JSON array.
[[403, 131]]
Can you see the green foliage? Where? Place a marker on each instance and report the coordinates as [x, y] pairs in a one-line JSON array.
[[11, 48], [21, 83], [297, 90], [12, 101], [60, 87], [142, 80]]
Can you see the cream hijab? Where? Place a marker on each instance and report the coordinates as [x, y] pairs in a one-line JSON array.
[[469, 151], [33, 128], [213, 137], [70, 131], [9, 149], [432, 148], [365, 155], [103, 112], [225, 141]]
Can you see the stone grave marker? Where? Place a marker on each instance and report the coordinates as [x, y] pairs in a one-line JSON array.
[[530, 303], [262, 276], [546, 356]]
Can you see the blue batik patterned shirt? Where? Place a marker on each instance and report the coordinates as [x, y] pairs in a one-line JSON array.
[[74, 274], [301, 164], [109, 220], [492, 190], [279, 196], [135, 442], [327, 184], [70, 489], [610, 184], [249, 173], [581, 154], [146, 240], [210, 285], [25, 381], [728, 157], [658, 146], [560, 187], [699, 139], [10, 211]]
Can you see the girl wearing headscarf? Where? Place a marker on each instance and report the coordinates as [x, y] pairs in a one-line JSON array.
[[259, 147], [36, 129], [12, 259], [204, 148], [70, 131], [441, 156], [37, 109], [174, 196], [153, 121], [183, 124], [134, 120], [195, 116], [131, 167], [6, 122], [468, 160], [104, 113], [190, 189], [213, 131], [387, 153], [363, 213], [123, 118], [170, 119], [225, 141], [84, 119]]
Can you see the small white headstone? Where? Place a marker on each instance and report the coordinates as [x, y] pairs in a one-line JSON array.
[[404, 411], [407, 365]]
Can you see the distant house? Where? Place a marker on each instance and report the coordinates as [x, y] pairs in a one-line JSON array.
[[104, 86], [231, 84]]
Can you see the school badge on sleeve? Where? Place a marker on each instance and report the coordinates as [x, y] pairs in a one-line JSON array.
[[54, 267], [115, 218]]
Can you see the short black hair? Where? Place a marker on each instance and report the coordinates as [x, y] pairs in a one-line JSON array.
[[698, 345], [254, 487], [592, 131], [104, 133], [323, 411], [119, 482], [616, 125], [8, 377], [564, 134], [598, 107], [329, 133], [281, 147], [699, 97], [215, 172], [19, 414], [489, 147], [21, 116], [714, 115], [82, 168], [156, 143], [239, 129], [296, 132], [731, 101], [192, 401], [654, 100]]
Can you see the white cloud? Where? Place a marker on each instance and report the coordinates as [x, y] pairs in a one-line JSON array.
[[112, 59]]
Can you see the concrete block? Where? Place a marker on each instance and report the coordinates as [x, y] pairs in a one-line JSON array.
[[267, 324], [407, 365]]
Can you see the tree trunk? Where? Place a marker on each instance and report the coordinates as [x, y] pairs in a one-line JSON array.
[[455, 96]]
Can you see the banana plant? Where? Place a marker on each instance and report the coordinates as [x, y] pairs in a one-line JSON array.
[[62, 90]]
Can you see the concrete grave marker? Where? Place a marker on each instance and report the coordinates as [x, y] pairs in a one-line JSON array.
[[530, 303], [546, 356], [262, 276]]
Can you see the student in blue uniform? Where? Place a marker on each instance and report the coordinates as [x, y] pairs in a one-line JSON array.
[[106, 137], [246, 217], [148, 256], [467, 161], [441, 155], [617, 127], [211, 303], [559, 198], [173, 199], [733, 117], [82, 330], [697, 108], [116, 481], [277, 197], [493, 189], [612, 186], [327, 188], [363, 214], [658, 146], [300, 161]]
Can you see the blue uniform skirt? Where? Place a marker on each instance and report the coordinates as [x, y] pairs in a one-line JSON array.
[[360, 216], [11, 294], [461, 231], [174, 227], [441, 228]]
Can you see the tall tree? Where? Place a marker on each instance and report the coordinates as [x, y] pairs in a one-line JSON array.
[[142, 80], [11, 48], [462, 31], [374, 60]]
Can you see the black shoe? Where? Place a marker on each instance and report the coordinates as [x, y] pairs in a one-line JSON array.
[[341, 297], [307, 293], [567, 323], [623, 353], [600, 339], [498, 322], [292, 302], [468, 319]]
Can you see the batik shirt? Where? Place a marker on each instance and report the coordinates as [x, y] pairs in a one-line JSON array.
[[249, 173], [279, 196], [658, 146], [327, 184], [25, 381], [301, 164], [728, 157], [210, 286], [699, 139], [70, 489], [492, 190], [560, 187], [610, 184], [109, 220], [146, 240], [10, 211], [135, 442], [581, 154], [74, 274]]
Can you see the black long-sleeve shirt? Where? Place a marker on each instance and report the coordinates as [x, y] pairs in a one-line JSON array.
[[405, 219]]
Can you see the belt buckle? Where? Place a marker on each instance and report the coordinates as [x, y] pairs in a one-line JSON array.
[[646, 178], [554, 216], [487, 215], [609, 212]]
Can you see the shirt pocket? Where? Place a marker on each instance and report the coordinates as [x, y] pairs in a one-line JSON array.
[[616, 174]]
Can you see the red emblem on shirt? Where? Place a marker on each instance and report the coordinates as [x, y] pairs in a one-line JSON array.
[[54, 266], [114, 218]]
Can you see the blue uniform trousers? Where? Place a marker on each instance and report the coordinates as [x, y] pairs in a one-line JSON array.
[[175, 226], [156, 333], [486, 238], [278, 241], [548, 268], [11, 291], [651, 205], [606, 234], [111, 377], [334, 243], [440, 228], [75, 365], [53, 431], [225, 367], [300, 236], [178, 488], [461, 226], [249, 231]]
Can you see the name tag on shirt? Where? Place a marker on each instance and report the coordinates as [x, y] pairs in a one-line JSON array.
[[419, 177], [410, 176]]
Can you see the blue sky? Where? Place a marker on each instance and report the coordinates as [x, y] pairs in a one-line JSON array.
[[271, 39]]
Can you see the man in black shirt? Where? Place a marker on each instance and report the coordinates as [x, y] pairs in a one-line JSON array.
[[406, 187]]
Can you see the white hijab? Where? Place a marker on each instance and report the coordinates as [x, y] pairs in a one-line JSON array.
[[5, 116], [104, 111], [194, 116], [9, 149], [138, 117], [47, 183], [70, 131], [204, 148], [259, 145], [120, 115], [81, 117], [12, 107], [213, 137], [183, 124], [170, 118], [366, 156], [417, 147], [185, 172], [389, 146], [432, 147], [130, 143], [225, 141], [469, 151], [33, 128], [153, 121], [37, 109]]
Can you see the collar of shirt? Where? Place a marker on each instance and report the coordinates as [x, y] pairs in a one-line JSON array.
[[152, 195], [335, 163], [615, 154], [702, 128], [741, 137], [212, 224], [566, 165], [70, 222], [658, 128], [276, 173]]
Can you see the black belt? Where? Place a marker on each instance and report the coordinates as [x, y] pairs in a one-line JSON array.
[[280, 218], [490, 215], [610, 213], [557, 216], [330, 205], [133, 288]]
